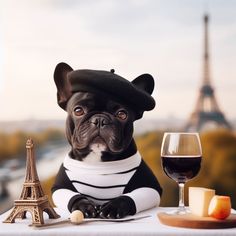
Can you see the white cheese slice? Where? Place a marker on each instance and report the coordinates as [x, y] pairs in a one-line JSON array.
[[199, 200]]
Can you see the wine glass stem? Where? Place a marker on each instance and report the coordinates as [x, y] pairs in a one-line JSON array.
[[181, 198]]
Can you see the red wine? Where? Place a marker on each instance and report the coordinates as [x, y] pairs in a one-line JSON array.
[[181, 169]]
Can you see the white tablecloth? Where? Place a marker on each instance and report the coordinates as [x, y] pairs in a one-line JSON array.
[[147, 226]]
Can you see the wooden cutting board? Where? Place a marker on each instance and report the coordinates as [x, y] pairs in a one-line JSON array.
[[196, 222]]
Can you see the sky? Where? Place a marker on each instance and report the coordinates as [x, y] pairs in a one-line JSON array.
[[160, 37]]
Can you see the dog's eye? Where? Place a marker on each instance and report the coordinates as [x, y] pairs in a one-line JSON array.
[[122, 114], [78, 111]]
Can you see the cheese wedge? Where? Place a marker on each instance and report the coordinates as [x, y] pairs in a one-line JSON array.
[[199, 200]]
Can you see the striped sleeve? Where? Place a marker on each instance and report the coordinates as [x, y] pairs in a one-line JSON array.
[[63, 190], [144, 188]]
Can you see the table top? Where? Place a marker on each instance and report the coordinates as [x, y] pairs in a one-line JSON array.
[[146, 226]]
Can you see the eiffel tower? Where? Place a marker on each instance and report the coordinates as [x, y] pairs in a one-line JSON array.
[[32, 197], [207, 113]]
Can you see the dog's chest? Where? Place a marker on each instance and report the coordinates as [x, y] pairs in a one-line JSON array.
[[101, 183], [100, 187], [95, 155]]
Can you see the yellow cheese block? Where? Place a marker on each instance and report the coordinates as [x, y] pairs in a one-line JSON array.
[[199, 200]]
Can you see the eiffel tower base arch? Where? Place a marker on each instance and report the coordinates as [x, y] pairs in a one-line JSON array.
[[35, 208], [200, 120]]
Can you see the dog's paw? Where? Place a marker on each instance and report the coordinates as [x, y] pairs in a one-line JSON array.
[[118, 208], [88, 208]]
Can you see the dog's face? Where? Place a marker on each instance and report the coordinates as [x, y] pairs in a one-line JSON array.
[[101, 107], [98, 127]]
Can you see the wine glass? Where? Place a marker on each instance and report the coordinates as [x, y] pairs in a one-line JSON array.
[[181, 155]]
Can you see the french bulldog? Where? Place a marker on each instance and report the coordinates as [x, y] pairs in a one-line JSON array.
[[103, 175]]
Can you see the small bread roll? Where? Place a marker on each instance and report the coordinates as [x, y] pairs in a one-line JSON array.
[[76, 217]]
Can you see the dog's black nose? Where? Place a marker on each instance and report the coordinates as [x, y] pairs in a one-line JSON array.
[[99, 121]]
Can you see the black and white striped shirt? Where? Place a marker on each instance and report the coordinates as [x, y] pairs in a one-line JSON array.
[[104, 181]]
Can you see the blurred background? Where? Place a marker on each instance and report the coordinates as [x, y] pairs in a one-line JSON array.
[[189, 46]]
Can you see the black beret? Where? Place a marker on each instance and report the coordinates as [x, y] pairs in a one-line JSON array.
[[137, 94]]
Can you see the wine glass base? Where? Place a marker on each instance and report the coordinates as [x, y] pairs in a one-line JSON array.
[[178, 212]]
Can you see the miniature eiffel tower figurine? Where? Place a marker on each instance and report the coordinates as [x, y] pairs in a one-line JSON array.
[[32, 197]]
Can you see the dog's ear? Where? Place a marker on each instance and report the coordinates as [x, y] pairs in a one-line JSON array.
[[144, 82], [62, 83]]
